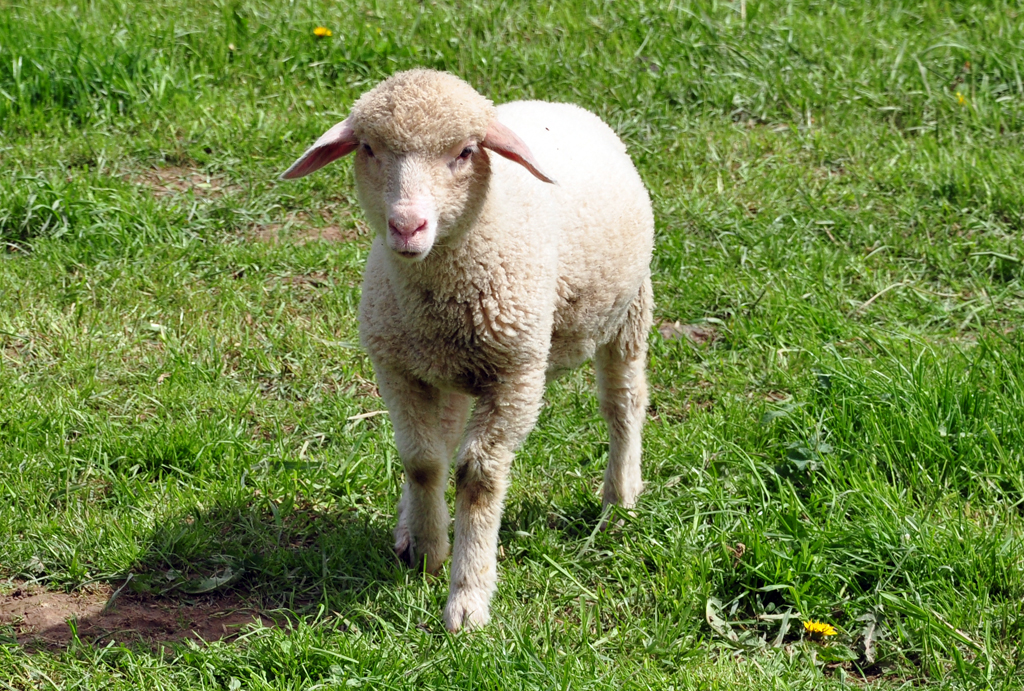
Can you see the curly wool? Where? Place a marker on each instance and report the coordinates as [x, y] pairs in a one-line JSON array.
[[422, 110], [523, 280], [544, 278]]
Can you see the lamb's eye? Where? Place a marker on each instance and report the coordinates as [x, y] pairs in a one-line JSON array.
[[466, 153], [368, 150]]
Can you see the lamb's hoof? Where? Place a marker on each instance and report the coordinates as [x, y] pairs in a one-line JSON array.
[[466, 610], [624, 499], [405, 554], [429, 562], [606, 519], [605, 524], [403, 546]]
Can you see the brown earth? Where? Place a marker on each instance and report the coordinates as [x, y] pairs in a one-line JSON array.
[[699, 334], [40, 618], [275, 232], [170, 180]]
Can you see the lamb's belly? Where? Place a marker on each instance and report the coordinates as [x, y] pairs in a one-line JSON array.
[[582, 328], [569, 353]]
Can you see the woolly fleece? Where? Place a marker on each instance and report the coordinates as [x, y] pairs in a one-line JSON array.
[[524, 280], [422, 110]]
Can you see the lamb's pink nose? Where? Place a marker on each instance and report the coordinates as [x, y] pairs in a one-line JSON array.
[[407, 227]]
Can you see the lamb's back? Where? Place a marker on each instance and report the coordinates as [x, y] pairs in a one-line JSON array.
[[605, 225]]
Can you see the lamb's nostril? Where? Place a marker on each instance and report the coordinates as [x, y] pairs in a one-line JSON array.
[[407, 227]]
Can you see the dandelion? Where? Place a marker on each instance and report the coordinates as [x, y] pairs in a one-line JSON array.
[[817, 629], [960, 98], [322, 32]]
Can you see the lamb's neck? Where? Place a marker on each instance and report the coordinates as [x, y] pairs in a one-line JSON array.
[[444, 273]]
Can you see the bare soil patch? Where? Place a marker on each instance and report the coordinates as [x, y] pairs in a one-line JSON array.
[[274, 233], [172, 180], [40, 618], [319, 225], [695, 333]]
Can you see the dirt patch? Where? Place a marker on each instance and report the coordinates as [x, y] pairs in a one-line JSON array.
[[172, 180], [699, 334], [41, 617], [274, 233], [319, 225]]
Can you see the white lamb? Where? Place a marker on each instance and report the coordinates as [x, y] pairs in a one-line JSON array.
[[486, 279]]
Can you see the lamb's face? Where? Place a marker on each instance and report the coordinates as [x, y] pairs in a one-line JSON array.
[[421, 168], [415, 199]]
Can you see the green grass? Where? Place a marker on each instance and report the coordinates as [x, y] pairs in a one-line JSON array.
[[839, 193]]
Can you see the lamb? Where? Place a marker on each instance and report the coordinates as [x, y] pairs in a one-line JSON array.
[[486, 279]]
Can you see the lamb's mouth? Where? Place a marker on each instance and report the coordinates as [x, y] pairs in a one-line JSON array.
[[411, 254]]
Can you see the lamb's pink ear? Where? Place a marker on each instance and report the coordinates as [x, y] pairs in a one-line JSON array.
[[502, 140], [336, 142]]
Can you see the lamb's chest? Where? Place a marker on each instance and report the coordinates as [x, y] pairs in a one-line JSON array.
[[445, 341]]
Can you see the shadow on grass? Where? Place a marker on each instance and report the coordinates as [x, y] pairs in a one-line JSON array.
[[209, 574], [573, 517]]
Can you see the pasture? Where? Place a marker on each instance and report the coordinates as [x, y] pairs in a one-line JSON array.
[[190, 432]]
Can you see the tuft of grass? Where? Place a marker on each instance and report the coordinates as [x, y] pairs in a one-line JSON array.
[[839, 194]]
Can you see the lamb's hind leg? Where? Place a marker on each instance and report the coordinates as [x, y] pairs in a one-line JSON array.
[[622, 391], [428, 424]]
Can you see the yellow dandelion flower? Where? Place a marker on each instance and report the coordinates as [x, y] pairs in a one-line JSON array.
[[960, 98], [322, 32], [817, 629]]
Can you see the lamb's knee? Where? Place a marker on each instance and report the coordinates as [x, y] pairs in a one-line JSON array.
[[631, 341], [425, 477], [474, 486]]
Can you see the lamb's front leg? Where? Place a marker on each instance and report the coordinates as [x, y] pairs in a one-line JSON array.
[[427, 424], [501, 420]]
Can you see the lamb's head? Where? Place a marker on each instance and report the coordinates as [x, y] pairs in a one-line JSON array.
[[420, 167]]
